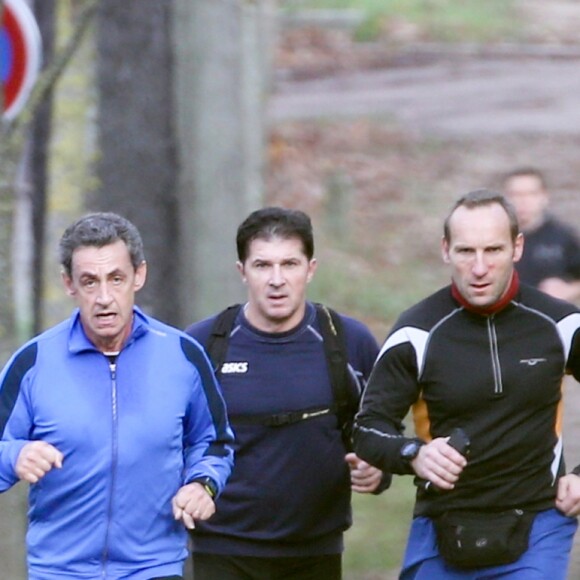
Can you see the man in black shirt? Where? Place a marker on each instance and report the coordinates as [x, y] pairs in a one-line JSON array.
[[288, 505], [551, 258]]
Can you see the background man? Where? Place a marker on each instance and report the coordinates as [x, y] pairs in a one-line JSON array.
[[487, 356], [115, 420], [551, 258], [284, 511]]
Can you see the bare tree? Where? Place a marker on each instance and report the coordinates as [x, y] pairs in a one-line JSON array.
[[137, 168], [41, 129], [184, 164], [221, 82]]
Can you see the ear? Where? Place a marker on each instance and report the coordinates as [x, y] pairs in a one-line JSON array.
[[445, 250], [241, 270], [69, 287], [140, 276], [518, 247], [312, 265]]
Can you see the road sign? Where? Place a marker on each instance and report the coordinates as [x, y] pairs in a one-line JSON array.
[[20, 51]]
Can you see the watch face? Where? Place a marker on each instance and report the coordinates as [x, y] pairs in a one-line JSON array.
[[410, 449]]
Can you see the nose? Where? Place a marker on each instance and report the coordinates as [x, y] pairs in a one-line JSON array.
[[104, 295], [276, 278], [480, 266]]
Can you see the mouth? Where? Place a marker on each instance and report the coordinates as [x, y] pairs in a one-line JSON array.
[[480, 287], [277, 298], [106, 318]]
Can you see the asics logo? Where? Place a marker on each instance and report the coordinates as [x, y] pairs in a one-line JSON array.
[[231, 368], [532, 362]]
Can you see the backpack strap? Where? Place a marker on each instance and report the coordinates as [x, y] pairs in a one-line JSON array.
[[217, 344], [281, 419], [334, 345], [337, 360]]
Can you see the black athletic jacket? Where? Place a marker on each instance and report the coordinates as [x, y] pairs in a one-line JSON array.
[[499, 377], [551, 250]]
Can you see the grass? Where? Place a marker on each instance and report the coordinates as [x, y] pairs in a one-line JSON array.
[[376, 297], [436, 20], [376, 541], [375, 544]]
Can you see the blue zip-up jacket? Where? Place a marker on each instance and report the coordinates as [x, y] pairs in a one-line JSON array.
[[131, 432]]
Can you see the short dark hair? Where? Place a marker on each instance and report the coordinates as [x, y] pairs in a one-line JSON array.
[[100, 229], [270, 222], [479, 198], [527, 171]]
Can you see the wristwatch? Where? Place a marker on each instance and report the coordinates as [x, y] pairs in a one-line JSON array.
[[410, 449], [208, 484]]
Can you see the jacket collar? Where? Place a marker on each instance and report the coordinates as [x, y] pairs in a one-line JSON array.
[[508, 296], [79, 342]]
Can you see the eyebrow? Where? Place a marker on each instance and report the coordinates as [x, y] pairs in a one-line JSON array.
[[115, 272], [465, 246]]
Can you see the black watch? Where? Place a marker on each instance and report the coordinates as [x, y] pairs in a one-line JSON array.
[[208, 484], [410, 449]]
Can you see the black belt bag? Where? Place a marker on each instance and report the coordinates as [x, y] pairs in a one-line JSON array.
[[468, 539]]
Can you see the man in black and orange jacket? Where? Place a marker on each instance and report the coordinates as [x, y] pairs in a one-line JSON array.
[[486, 355]]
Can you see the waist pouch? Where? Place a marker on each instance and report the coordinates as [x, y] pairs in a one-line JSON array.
[[468, 539]]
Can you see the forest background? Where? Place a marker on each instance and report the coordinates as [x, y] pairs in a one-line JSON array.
[[374, 170]]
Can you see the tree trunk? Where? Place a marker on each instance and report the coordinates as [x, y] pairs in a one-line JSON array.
[[221, 81], [137, 169], [44, 11]]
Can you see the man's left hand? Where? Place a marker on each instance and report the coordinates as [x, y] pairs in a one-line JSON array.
[[568, 497], [364, 478], [192, 502]]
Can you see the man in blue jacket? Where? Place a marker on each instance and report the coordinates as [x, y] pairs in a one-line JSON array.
[[285, 509], [115, 420]]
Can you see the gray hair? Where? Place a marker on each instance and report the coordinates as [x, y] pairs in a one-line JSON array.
[[100, 229]]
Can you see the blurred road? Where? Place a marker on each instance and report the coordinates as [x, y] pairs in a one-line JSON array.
[[451, 93]]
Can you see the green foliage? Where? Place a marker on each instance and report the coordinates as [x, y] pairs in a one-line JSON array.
[[370, 296], [376, 542], [458, 20], [436, 20], [375, 275]]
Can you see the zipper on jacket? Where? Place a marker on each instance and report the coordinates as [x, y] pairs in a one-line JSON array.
[[114, 457], [496, 367]]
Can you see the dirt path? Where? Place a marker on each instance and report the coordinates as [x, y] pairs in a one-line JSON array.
[[454, 94]]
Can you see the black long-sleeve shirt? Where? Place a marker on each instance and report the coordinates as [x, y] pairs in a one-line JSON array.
[[498, 377], [551, 250], [289, 494]]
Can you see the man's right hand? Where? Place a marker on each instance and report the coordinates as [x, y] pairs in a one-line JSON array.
[[36, 459], [192, 502], [439, 463]]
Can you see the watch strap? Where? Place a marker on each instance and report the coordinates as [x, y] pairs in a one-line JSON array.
[[208, 484]]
